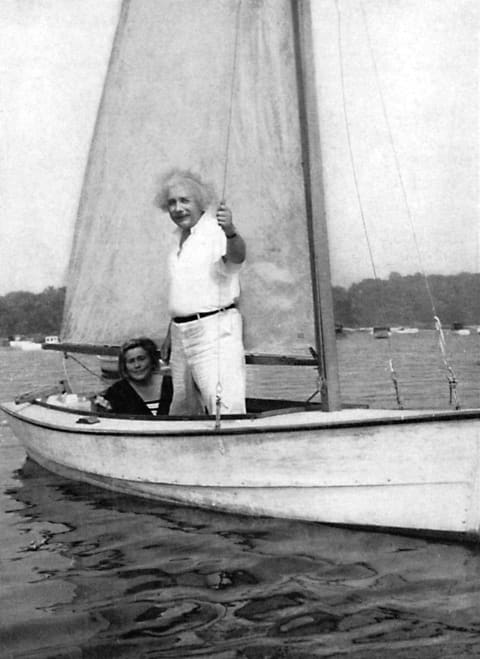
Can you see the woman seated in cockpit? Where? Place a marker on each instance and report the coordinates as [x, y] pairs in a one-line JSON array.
[[143, 388]]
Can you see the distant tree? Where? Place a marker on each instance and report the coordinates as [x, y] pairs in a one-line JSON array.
[[370, 303], [411, 300], [342, 309], [27, 313], [398, 300]]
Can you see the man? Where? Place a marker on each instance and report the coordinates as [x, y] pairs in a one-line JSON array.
[[207, 356]]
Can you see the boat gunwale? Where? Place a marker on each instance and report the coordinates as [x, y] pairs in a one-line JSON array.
[[90, 429]]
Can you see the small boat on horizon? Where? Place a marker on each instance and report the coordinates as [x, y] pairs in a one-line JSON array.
[[51, 339], [25, 344], [460, 329], [381, 332], [404, 330]]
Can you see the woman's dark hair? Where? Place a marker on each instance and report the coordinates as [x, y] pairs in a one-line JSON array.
[[148, 345]]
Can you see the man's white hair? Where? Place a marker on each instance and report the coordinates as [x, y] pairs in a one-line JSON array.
[[204, 194]]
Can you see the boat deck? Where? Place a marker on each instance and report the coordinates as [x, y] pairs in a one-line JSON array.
[[290, 419]]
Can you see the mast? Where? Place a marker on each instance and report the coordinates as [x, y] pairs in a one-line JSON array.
[[315, 206]]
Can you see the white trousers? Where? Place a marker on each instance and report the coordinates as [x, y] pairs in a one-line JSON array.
[[208, 359]]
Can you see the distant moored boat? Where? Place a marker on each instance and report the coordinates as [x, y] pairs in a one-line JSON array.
[[404, 330], [460, 329], [381, 332]]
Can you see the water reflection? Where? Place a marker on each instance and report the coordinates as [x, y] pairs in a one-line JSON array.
[[112, 576], [91, 574]]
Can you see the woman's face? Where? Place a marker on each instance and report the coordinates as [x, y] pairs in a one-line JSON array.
[[138, 364]]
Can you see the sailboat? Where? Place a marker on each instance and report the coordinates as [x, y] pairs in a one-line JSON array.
[[228, 89]]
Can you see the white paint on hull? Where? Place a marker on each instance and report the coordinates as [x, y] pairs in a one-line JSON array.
[[419, 473], [354, 506]]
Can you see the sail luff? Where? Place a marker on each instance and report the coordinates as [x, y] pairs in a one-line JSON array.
[[76, 248], [166, 105], [315, 206]]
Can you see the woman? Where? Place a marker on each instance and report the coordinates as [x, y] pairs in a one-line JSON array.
[[143, 390]]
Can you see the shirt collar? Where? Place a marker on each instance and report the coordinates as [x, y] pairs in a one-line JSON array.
[[202, 219]]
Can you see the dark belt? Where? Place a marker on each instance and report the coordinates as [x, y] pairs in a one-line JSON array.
[[202, 314]]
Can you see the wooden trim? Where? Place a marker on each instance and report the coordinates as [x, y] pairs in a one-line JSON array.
[[320, 428], [260, 359], [83, 348], [279, 360]]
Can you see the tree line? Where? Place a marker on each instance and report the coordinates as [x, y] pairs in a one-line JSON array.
[[33, 315], [410, 300]]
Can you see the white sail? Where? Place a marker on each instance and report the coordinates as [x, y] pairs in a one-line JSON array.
[[172, 81]]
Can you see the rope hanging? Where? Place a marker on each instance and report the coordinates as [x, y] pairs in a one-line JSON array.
[[80, 363], [450, 372], [218, 393], [392, 371], [452, 380], [230, 107], [393, 375]]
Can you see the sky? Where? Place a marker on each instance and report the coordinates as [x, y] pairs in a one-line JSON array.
[[418, 169], [414, 134], [53, 60]]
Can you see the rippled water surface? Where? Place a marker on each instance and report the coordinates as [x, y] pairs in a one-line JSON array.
[[87, 573]]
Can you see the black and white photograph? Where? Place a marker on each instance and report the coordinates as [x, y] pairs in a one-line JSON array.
[[239, 329]]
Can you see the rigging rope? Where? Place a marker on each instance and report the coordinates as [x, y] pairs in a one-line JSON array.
[[450, 372], [396, 159], [349, 139], [230, 107], [393, 374], [80, 363], [218, 393], [452, 380]]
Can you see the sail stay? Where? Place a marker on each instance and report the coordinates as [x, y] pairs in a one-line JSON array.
[[166, 103]]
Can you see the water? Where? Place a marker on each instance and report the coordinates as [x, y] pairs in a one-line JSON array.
[[87, 573]]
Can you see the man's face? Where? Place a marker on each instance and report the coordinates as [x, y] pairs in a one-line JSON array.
[[183, 206]]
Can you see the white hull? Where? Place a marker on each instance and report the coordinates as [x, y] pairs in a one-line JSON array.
[[25, 345], [404, 330], [53, 339], [416, 470]]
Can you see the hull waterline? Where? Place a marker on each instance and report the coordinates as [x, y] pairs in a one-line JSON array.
[[409, 470]]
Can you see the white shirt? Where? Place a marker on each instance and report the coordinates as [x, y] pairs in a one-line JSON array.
[[199, 279]]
